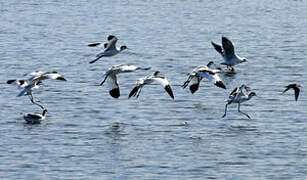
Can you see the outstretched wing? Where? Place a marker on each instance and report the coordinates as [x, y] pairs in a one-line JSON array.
[[228, 48], [112, 43], [213, 77], [164, 82], [218, 48], [296, 92], [113, 86]]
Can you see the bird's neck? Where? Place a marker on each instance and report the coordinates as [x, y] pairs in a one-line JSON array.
[[44, 113]]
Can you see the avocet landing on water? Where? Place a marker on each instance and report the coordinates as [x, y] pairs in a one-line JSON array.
[[109, 49], [228, 53], [140, 83], [111, 75], [34, 81], [35, 118], [201, 72], [239, 95], [296, 89]]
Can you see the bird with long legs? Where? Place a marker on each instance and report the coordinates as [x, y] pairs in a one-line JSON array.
[[112, 73], [239, 95], [109, 48], [227, 51], [34, 81], [153, 78], [200, 72]]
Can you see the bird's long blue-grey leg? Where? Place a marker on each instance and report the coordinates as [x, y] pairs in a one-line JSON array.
[[187, 82], [139, 92], [225, 110], [106, 76], [242, 112]]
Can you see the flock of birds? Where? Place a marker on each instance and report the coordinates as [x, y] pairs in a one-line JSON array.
[[209, 71]]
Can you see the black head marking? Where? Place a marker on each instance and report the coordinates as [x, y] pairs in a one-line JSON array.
[[156, 73], [110, 37], [210, 63], [21, 82], [123, 48], [61, 78]]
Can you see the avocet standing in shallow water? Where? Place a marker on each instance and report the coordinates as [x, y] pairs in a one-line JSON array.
[[111, 75], [228, 53], [109, 49], [140, 83], [201, 72], [239, 95]]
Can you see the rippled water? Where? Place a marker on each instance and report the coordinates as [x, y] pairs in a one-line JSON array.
[[89, 135]]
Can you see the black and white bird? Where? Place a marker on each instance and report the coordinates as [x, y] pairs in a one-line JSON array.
[[228, 53], [239, 95], [111, 74], [296, 89], [34, 81], [200, 72], [153, 78], [35, 118], [109, 48]]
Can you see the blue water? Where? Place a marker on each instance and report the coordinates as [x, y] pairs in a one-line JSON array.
[[89, 135]]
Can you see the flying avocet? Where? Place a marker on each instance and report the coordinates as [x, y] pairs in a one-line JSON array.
[[111, 75], [201, 72], [109, 49], [140, 83]]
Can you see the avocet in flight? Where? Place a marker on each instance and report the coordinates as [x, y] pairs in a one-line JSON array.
[[153, 78], [111, 74], [34, 81], [201, 72], [109, 48]]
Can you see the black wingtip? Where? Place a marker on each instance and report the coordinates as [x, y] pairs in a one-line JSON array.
[[168, 89], [133, 91], [194, 88], [220, 84], [61, 78], [93, 44], [10, 81], [115, 93]]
